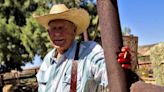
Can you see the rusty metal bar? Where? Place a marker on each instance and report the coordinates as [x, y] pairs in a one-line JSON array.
[[112, 42]]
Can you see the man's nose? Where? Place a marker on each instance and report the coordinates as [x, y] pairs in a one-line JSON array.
[[58, 32]]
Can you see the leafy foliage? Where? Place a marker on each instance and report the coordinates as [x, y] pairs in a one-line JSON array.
[[93, 30], [11, 47], [34, 38], [19, 10], [157, 58], [126, 31], [14, 16]]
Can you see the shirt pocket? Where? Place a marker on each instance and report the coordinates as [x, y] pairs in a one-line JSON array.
[[43, 76], [67, 80]]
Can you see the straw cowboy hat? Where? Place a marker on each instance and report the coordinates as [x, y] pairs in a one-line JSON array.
[[79, 17]]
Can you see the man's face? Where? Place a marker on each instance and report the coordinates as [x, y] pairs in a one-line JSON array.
[[62, 33]]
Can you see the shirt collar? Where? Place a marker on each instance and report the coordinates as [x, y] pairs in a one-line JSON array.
[[69, 54]]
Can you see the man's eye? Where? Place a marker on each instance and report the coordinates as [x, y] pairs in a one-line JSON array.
[[60, 28], [54, 28]]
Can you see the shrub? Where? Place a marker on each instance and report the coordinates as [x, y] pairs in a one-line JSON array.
[[157, 59]]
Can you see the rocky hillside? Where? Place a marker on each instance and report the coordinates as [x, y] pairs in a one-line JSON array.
[[145, 49]]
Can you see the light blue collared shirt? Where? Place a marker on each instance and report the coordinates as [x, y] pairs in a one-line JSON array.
[[55, 75]]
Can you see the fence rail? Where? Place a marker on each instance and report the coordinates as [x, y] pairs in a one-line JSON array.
[[16, 76]]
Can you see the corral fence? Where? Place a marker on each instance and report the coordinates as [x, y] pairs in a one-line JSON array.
[[14, 77]]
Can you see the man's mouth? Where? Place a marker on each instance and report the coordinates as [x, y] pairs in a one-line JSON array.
[[59, 42]]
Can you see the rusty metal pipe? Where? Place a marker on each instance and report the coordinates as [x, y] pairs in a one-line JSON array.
[[112, 42]]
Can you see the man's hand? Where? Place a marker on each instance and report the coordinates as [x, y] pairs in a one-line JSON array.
[[124, 58]]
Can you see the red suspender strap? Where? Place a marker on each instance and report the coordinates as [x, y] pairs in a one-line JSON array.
[[74, 70], [74, 76]]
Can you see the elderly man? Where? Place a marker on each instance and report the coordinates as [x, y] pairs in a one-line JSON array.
[[70, 65]]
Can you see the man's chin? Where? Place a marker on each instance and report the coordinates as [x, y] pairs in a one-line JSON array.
[[59, 47]]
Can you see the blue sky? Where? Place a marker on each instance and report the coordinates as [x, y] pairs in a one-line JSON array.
[[145, 18], [36, 63]]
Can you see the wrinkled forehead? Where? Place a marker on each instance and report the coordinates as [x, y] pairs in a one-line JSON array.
[[61, 21]]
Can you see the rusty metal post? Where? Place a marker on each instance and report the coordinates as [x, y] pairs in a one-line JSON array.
[[112, 42]]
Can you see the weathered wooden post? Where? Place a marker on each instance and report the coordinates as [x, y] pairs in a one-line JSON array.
[[1, 83], [112, 42]]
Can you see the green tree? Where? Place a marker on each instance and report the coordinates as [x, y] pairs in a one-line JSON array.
[[93, 30], [34, 38], [13, 14], [11, 48], [19, 10], [126, 31]]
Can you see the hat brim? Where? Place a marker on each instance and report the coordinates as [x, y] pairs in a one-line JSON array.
[[77, 16]]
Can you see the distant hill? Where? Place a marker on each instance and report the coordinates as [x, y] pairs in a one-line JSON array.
[[144, 52], [145, 49]]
